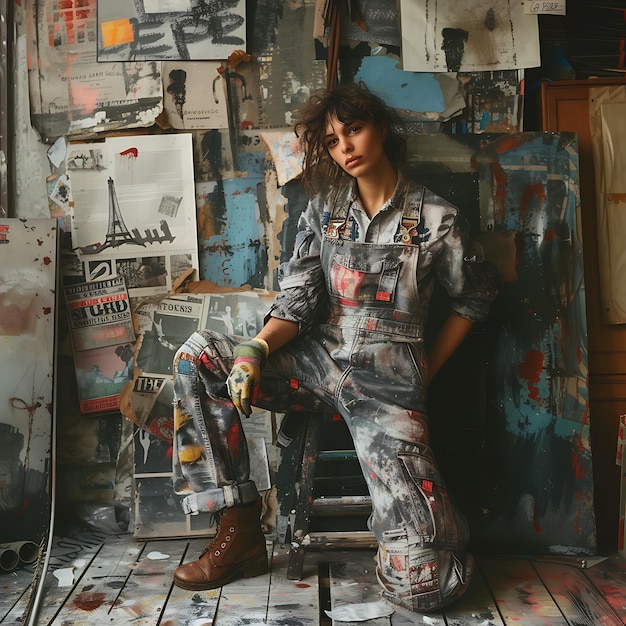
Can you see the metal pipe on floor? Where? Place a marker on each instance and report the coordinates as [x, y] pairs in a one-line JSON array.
[[25, 552], [9, 559]]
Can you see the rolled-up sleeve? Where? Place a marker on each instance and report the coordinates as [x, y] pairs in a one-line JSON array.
[[303, 297]]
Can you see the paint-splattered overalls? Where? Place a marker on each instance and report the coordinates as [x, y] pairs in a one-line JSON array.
[[367, 362]]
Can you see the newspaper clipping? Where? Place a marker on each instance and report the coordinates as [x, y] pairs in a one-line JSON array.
[[99, 314]]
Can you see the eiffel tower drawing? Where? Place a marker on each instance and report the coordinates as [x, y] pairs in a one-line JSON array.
[[117, 232]]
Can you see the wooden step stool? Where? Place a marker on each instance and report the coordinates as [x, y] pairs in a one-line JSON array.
[[322, 495]]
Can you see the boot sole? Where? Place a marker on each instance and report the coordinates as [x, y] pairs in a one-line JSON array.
[[249, 569]]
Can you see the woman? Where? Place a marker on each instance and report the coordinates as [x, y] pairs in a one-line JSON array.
[[345, 331]]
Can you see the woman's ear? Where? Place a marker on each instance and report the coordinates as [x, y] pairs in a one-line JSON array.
[[383, 131]]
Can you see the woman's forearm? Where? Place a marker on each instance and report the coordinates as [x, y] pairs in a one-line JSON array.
[[454, 330], [278, 332]]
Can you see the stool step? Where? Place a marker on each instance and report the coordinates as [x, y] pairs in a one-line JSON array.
[[339, 487], [336, 455], [361, 539], [342, 505]]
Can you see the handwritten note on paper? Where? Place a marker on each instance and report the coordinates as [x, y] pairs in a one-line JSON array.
[[541, 7]]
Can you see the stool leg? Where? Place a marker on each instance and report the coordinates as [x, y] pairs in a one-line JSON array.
[[288, 472], [304, 503]]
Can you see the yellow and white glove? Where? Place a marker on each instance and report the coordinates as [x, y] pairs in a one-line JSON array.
[[245, 375]]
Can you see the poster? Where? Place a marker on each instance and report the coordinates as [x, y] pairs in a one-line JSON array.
[[164, 30], [194, 95], [494, 35], [90, 97], [134, 213], [101, 375], [99, 314], [163, 327]]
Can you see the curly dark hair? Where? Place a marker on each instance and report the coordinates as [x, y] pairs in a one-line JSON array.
[[348, 102]]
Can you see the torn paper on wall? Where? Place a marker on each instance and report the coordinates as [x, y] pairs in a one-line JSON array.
[[286, 153], [194, 95], [71, 93]]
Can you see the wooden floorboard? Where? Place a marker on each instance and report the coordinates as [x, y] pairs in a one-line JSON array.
[[96, 579], [191, 608], [476, 607], [14, 587], [609, 578], [292, 602], [519, 593], [579, 601]]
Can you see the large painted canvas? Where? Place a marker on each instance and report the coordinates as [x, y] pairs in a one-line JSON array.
[[509, 412], [27, 338]]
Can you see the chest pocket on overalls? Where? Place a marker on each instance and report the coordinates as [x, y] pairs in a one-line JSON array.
[[355, 282]]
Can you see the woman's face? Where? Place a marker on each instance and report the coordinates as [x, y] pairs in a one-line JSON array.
[[356, 147]]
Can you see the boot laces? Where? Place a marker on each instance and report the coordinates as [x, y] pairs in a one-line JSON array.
[[217, 540]]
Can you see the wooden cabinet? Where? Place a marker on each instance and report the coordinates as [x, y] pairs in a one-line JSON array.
[[565, 107]]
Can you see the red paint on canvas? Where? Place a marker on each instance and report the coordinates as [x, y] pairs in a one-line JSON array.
[[530, 369]]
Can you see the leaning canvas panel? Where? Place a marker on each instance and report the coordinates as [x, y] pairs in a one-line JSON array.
[[27, 337], [510, 411], [607, 106], [70, 92], [4, 118], [614, 205]]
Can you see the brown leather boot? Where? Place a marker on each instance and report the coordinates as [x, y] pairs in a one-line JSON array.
[[236, 551]]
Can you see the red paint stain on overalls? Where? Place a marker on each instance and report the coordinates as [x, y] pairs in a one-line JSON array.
[[234, 438]]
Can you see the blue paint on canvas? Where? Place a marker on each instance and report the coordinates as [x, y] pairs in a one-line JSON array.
[[412, 91], [234, 257], [530, 485]]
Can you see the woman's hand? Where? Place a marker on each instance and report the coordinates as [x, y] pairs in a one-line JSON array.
[[245, 375]]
